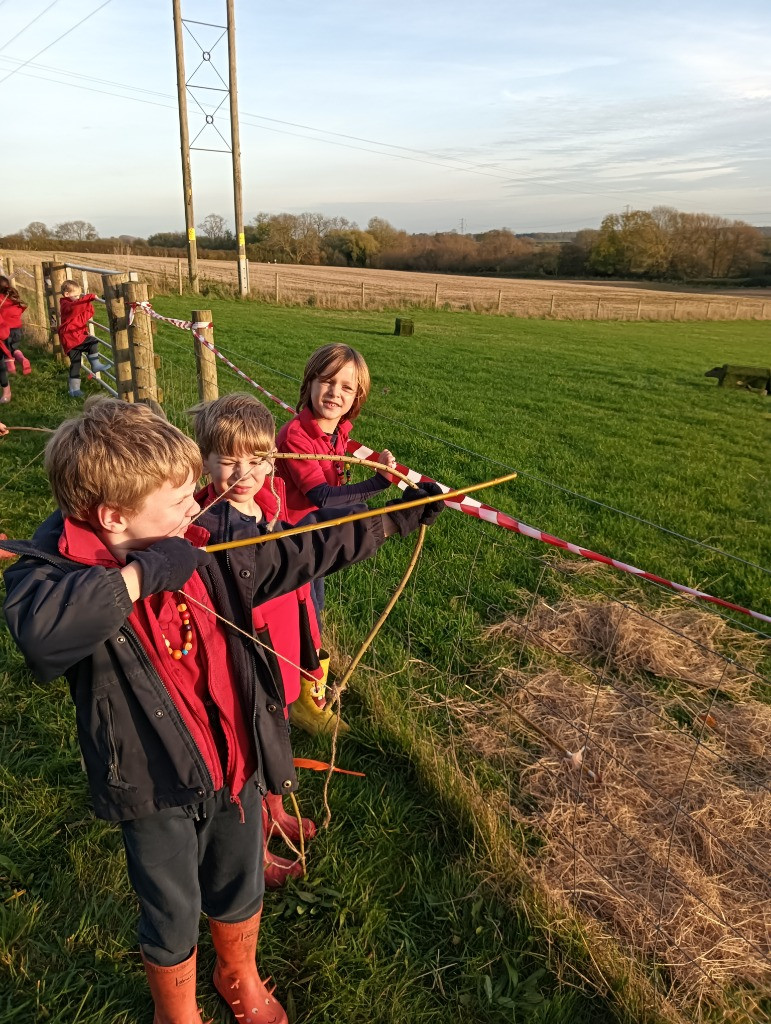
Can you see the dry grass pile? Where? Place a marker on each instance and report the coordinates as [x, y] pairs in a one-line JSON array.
[[682, 644], [666, 848]]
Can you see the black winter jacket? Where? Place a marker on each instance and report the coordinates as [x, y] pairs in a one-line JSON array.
[[70, 619]]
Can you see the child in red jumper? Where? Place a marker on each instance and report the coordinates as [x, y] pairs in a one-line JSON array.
[[229, 431], [76, 311], [335, 385], [11, 310]]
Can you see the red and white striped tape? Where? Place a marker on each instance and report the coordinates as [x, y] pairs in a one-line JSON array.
[[469, 505]]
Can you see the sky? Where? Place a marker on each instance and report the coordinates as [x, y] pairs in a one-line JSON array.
[[436, 116]]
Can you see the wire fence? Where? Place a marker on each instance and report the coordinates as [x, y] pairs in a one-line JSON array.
[[621, 734], [351, 288]]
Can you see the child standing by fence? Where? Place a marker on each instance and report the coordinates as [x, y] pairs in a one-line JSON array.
[[76, 311], [11, 311], [180, 724], [335, 386], [229, 431]]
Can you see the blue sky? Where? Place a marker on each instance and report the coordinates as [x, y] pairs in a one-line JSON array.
[[436, 116]]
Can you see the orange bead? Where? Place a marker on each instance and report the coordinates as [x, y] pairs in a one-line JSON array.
[[176, 655], [181, 607]]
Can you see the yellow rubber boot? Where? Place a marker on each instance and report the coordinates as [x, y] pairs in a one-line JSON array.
[[311, 712]]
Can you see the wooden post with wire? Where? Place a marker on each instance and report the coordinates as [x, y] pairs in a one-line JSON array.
[[119, 338], [57, 275], [205, 359], [9, 271], [140, 335], [42, 333]]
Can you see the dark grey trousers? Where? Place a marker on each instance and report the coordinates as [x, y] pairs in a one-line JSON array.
[[183, 860]]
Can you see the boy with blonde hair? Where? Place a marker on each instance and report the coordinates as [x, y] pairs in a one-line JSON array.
[[180, 724]]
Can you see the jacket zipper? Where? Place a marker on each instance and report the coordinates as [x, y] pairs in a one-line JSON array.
[[150, 668]]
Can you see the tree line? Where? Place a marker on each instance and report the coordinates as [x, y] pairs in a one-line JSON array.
[[657, 244]]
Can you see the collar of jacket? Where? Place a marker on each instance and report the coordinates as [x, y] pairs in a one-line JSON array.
[[80, 542], [311, 427]]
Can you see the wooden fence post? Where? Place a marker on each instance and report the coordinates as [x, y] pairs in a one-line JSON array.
[[551, 305], [119, 339], [140, 335], [639, 309], [436, 295], [9, 271], [276, 288], [179, 276], [205, 359], [362, 295], [597, 314], [42, 308], [57, 275], [500, 299]]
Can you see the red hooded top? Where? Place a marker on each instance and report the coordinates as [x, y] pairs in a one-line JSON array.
[[11, 311], [303, 434], [75, 314], [287, 624], [199, 685]]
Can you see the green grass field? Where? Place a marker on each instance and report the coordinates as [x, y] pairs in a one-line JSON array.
[[403, 917]]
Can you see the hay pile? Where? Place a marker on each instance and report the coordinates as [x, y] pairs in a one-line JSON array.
[[678, 643], [670, 849]]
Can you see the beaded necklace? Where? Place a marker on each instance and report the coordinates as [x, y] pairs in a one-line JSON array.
[[187, 634]]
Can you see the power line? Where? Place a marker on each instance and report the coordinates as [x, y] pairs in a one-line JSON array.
[[58, 38], [29, 23]]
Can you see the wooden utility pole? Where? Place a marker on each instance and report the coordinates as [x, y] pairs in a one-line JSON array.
[[235, 150], [184, 140]]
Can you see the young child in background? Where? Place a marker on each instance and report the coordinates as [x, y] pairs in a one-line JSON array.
[[76, 311], [6, 359], [335, 385], [11, 311], [229, 431], [180, 722]]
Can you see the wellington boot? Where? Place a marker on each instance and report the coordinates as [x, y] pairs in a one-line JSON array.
[[22, 360], [282, 823], [10, 365], [97, 366], [73, 384], [5, 395], [311, 712], [276, 869], [236, 977], [173, 992]]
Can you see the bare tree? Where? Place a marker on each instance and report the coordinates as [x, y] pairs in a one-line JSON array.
[[75, 231], [213, 226], [35, 231]]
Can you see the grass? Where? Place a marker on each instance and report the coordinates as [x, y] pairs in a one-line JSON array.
[[414, 909]]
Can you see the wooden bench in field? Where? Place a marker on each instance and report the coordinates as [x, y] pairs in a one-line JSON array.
[[752, 378]]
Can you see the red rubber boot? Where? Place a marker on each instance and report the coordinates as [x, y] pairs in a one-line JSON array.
[[173, 992], [236, 977], [276, 869], [10, 365], [22, 360], [282, 823]]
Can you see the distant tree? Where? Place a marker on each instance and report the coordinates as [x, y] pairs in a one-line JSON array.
[[75, 231], [35, 231], [574, 255], [214, 226]]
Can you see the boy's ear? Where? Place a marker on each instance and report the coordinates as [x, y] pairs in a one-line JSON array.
[[111, 519]]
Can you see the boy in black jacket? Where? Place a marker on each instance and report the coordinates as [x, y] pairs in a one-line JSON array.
[[180, 718]]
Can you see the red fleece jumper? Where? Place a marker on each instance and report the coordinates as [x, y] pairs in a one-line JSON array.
[[303, 434], [200, 684], [11, 311], [282, 622], [75, 314]]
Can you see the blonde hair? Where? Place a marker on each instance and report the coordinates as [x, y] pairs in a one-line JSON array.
[[116, 454], [235, 424], [70, 286], [327, 361]]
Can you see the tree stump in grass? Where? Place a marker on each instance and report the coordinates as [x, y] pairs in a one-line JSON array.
[[404, 327], [751, 378]]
